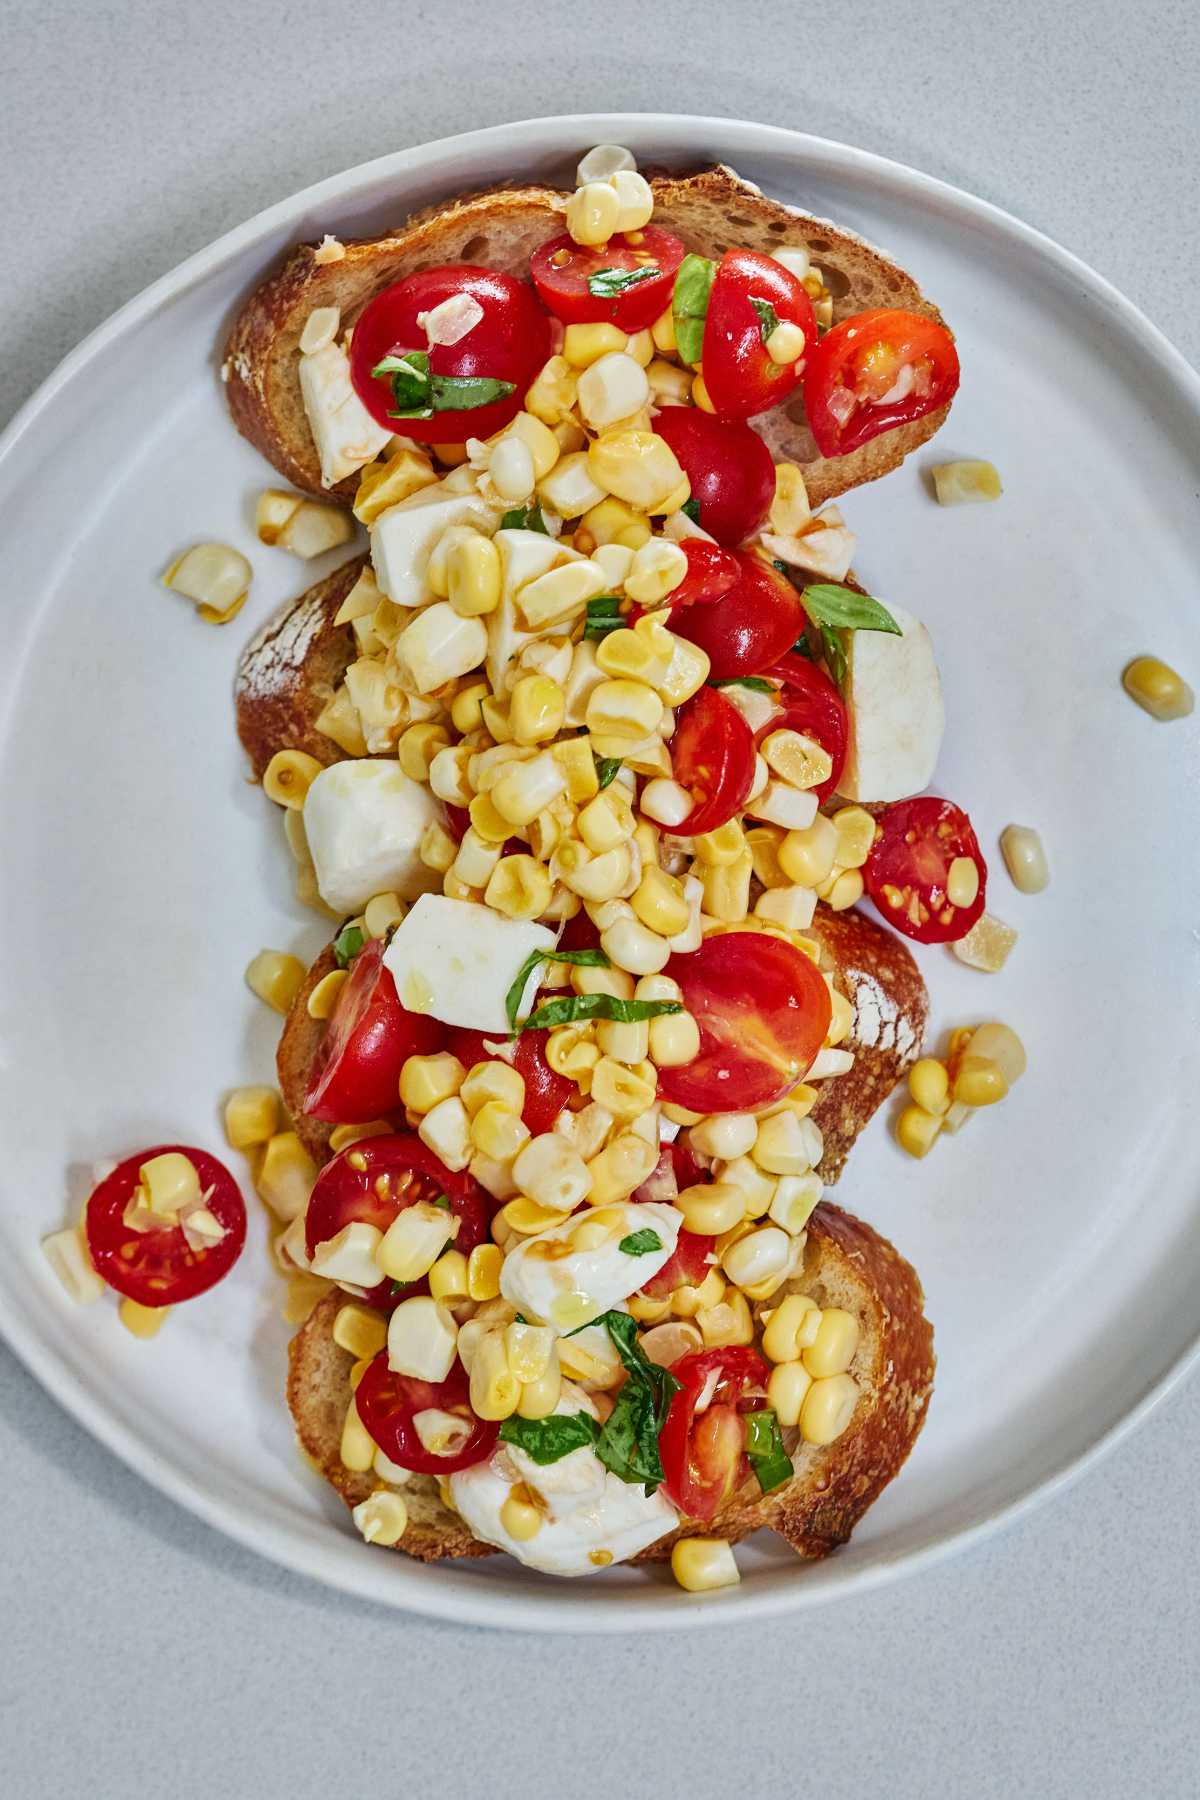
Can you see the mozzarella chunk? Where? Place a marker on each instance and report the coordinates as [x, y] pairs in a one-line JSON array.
[[590, 1518], [346, 435], [574, 1271], [364, 821], [456, 961], [897, 718], [403, 536]]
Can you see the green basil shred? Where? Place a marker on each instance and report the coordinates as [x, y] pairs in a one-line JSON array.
[[628, 1440], [843, 607], [585, 959], [751, 681], [607, 769], [524, 518], [603, 616], [573, 1007], [691, 509], [641, 1243], [764, 1448], [419, 394], [606, 284], [549, 1440], [347, 944], [689, 305], [768, 318]]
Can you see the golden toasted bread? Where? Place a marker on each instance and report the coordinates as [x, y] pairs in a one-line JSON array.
[[711, 211], [289, 669], [846, 1264]]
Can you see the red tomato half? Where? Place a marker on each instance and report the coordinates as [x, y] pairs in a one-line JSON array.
[[687, 1267], [562, 269], [728, 465], [739, 374], [906, 872], [763, 1010], [546, 1093], [387, 1404], [712, 755], [373, 1180], [876, 370], [711, 572], [751, 626], [510, 343], [703, 1453], [159, 1268], [356, 1071], [812, 705]]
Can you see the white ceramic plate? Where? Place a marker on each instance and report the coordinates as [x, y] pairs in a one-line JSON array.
[[1056, 1238]]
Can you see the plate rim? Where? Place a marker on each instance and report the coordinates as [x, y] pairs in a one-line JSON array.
[[306, 1551]]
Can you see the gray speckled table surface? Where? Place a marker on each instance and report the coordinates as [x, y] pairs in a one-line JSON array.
[[141, 1652]]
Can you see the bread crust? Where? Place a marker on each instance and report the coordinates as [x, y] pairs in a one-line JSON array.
[[847, 1264], [501, 226]]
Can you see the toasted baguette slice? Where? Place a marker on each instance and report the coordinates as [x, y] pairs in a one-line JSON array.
[[847, 1265], [289, 670], [711, 211]]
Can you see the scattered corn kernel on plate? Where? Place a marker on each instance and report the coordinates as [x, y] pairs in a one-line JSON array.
[[1055, 1237]]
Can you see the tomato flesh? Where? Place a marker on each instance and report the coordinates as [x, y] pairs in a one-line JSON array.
[[712, 755], [356, 1071], [387, 1404], [749, 627], [876, 370], [763, 1010], [812, 705], [687, 1267], [159, 1268], [711, 572], [546, 1093], [729, 467], [703, 1453], [372, 1181], [740, 375], [510, 343], [562, 269], [909, 865]]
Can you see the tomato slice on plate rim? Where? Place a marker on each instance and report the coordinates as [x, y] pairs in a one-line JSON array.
[[388, 1402], [159, 1268], [908, 865]]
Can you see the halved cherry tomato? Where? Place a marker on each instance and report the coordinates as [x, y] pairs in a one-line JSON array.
[[751, 626], [356, 1071], [562, 269], [703, 1453], [510, 343], [711, 572], [728, 465], [687, 1266], [876, 370], [159, 1268], [909, 864], [812, 705], [739, 373], [373, 1180], [763, 1010], [546, 1093], [712, 755], [387, 1404]]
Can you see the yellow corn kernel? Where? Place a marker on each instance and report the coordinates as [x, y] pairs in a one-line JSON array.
[[528, 1349], [686, 673], [251, 1116], [323, 998], [807, 857], [494, 1081], [476, 860], [987, 945], [285, 1175], [425, 1081], [686, 1302], [494, 713], [357, 1450], [289, 775], [606, 822], [414, 1240], [916, 1130], [647, 1311], [465, 709], [962, 881], [763, 843], [844, 891], [142, 1321], [956, 482], [418, 746], [483, 1272], [728, 1322], [585, 344], [381, 912], [526, 789], [626, 710], [361, 1332], [519, 887], [711, 1208], [539, 1398], [727, 889], [633, 947], [571, 1052], [657, 569], [385, 484], [519, 1517], [382, 1518], [833, 1348], [722, 846], [626, 654], [674, 1040], [536, 709], [574, 757], [790, 510], [473, 575], [791, 1329], [828, 1408], [216, 577], [625, 1043], [301, 1293], [662, 333], [611, 521], [1157, 688], [700, 394], [978, 1081], [1024, 858], [637, 466], [669, 384], [1002, 1045], [528, 1217], [786, 1391], [855, 830], [448, 1277], [358, 1369], [552, 395], [799, 760], [343, 1135], [498, 1131], [625, 1093], [437, 848], [339, 720], [659, 903], [620, 1168], [701, 1564], [495, 1390], [276, 978], [929, 1085]]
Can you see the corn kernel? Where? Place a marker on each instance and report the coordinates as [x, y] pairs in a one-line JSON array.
[[528, 1349], [620, 1168], [539, 1398], [1002, 1046], [142, 1321], [833, 1349], [448, 1277], [786, 1390], [626, 654], [526, 789], [978, 1081], [855, 830], [437, 848], [929, 1085], [382, 1518], [357, 1449], [519, 887], [701, 1564], [570, 1052], [722, 846], [916, 1130], [251, 1116], [288, 777], [634, 947], [626, 1043], [637, 466], [799, 760], [1025, 858], [606, 822], [422, 1339], [791, 1329], [611, 521], [585, 344], [844, 891], [663, 333], [498, 1131], [427, 1080], [465, 714], [624, 1092], [610, 389], [385, 484], [828, 1409], [687, 1302], [285, 1176], [593, 213], [495, 1390], [674, 1040], [414, 1240], [711, 1208], [276, 978], [1157, 688], [359, 1331], [657, 569], [807, 857], [323, 998], [625, 710], [728, 1322]]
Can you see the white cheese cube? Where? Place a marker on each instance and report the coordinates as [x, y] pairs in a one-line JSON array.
[[403, 536], [364, 821], [897, 718], [346, 436], [456, 961]]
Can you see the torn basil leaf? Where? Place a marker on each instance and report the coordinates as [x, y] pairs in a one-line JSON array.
[[764, 1447], [606, 284], [768, 318], [628, 1441], [689, 305], [603, 616], [524, 518], [419, 394], [607, 768], [347, 944], [587, 959], [549, 1440], [641, 1243], [691, 509], [595, 1006]]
